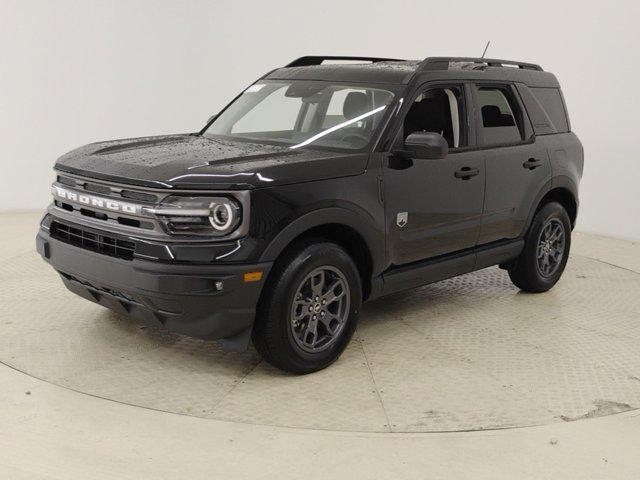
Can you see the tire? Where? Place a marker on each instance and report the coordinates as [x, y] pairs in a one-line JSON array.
[[530, 272], [284, 331]]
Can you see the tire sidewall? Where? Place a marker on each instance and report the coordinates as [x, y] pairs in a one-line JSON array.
[[550, 211], [309, 258]]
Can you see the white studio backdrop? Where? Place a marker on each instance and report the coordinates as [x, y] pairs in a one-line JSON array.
[[74, 72]]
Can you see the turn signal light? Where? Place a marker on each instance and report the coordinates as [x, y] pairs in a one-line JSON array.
[[252, 276]]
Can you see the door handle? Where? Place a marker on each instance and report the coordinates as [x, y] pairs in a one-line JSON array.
[[465, 173], [532, 163]]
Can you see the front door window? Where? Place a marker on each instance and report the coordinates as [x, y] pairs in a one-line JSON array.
[[438, 110]]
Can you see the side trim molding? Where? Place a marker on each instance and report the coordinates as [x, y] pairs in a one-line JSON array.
[[432, 270]]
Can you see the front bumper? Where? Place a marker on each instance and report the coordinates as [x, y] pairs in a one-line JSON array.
[[181, 297]]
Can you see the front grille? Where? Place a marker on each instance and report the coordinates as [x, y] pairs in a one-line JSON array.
[[89, 240], [70, 182], [107, 190], [143, 197], [101, 189], [87, 212]]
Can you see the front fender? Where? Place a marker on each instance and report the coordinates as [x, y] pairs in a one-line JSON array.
[[373, 238]]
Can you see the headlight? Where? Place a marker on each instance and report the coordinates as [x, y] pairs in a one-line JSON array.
[[222, 216], [201, 216]]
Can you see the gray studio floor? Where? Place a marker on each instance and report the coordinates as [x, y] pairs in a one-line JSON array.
[[467, 378]]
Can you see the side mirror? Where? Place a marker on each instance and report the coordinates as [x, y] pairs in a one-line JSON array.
[[426, 145]]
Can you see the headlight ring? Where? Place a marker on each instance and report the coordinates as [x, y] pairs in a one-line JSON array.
[[221, 216]]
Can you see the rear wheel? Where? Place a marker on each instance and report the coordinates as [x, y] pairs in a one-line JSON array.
[[546, 250], [309, 309]]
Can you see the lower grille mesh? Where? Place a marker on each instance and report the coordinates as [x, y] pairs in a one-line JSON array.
[[96, 242]]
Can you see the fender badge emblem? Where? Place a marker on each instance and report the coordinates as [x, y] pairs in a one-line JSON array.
[[402, 219]]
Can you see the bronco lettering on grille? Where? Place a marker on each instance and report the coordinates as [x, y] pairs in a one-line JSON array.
[[93, 201]]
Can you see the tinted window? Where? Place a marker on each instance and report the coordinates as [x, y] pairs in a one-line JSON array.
[[499, 116], [551, 100], [438, 110]]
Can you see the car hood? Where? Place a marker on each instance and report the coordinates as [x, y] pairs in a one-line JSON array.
[[199, 162]]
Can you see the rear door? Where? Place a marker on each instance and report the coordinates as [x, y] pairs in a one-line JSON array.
[[517, 166]]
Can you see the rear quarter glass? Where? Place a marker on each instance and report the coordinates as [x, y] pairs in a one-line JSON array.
[[551, 101]]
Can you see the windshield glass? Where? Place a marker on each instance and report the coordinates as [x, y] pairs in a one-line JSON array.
[[303, 112]]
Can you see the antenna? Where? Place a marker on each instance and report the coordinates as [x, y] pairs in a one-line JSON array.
[[485, 49]]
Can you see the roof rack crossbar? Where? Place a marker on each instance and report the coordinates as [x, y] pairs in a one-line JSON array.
[[317, 60], [442, 63]]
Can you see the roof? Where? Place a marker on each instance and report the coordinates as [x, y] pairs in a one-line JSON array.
[[402, 72], [391, 72]]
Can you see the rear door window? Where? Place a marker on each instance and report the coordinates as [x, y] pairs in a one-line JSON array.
[[499, 115]]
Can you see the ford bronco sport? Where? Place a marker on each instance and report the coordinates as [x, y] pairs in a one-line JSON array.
[[328, 182]]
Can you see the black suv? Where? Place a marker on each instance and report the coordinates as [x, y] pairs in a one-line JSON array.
[[328, 182]]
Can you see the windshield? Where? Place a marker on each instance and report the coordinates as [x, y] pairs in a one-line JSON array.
[[303, 112]]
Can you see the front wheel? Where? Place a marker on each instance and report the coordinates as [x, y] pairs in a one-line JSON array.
[[309, 309], [546, 250]]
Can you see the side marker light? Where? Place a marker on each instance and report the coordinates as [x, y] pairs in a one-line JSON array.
[[252, 276]]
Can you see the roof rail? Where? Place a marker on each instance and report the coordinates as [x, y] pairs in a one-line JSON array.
[[442, 63], [317, 60]]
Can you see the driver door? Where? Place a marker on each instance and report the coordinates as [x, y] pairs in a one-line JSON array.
[[434, 207]]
